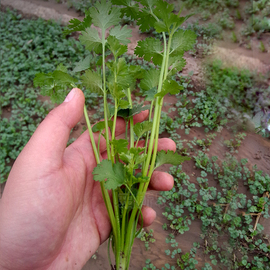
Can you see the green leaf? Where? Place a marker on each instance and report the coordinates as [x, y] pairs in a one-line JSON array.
[[55, 84], [62, 68], [170, 86], [141, 128], [121, 34], [92, 81], [150, 79], [115, 47], [83, 64], [114, 173], [150, 49], [90, 38], [150, 94], [123, 104], [130, 8], [120, 78], [104, 15], [77, 25], [138, 108], [120, 145], [145, 20], [182, 41], [127, 113], [100, 126], [169, 157], [176, 63]]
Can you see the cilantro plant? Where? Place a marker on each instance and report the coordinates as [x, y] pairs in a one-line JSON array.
[[114, 78]]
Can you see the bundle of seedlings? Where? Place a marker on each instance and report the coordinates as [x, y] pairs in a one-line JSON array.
[[130, 163]]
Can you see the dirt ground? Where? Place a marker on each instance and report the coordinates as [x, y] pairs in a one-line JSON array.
[[255, 148]]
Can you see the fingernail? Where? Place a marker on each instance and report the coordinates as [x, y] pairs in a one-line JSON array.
[[70, 95]]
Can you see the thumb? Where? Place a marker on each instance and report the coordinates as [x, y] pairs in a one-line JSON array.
[[50, 139]]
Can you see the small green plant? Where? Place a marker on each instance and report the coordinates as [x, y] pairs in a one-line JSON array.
[[147, 237], [234, 37], [114, 78], [262, 47]]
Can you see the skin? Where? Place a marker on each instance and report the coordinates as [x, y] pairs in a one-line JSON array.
[[52, 214]]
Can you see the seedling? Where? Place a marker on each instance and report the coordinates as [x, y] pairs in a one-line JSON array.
[[114, 78]]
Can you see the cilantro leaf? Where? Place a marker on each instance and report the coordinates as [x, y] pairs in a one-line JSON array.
[[130, 8], [122, 34], [176, 64], [150, 49], [120, 145], [150, 94], [55, 84], [115, 47], [183, 40], [145, 20], [100, 126], [114, 173], [169, 157], [92, 81], [90, 38], [150, 79], [104, 15], [83, 64], [170, 86], [139, 108], [77, 25], [141, 128]]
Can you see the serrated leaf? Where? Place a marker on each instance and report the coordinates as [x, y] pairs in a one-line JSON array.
[[150, 94], [182, 41], [141, 128], [92, 81], [121, 34], [169, 157], [138, 108], [130, 8], [63, 78], [104, 15], [62, 68], [150, 79], [130, 156], [120, 145], [55, 84], [115, 47], [123, 104], [100, 126], [176, 63], [90, 38], [150, 49], [169, 86], [114, 173], [83, 64], [145, 21], [77, 25]]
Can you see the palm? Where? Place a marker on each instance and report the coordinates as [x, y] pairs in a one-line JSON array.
[[52, 214], [71, 218]]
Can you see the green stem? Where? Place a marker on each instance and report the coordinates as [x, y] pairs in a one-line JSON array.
[[105, 97], [96, 153], [131, 132], [104, 191]]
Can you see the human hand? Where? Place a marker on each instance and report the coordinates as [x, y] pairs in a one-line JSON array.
[[52, 213]]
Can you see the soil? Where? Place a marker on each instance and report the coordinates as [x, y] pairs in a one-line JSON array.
[[254, 147]]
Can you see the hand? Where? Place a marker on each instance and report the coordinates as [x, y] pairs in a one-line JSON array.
[[52, 214]]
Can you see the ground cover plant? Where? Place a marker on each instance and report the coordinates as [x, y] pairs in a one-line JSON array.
[[114, 77], [236, 21], [26, 48]]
